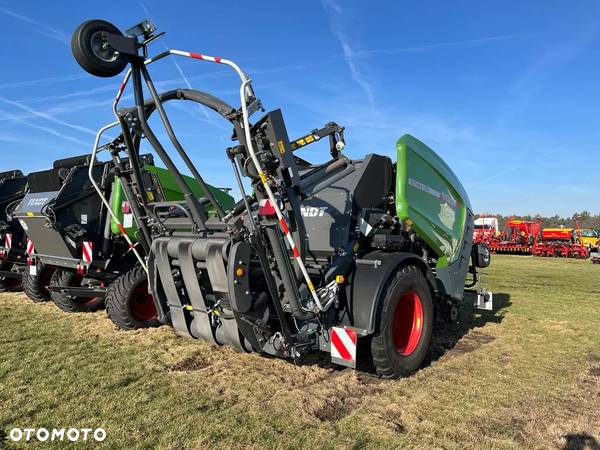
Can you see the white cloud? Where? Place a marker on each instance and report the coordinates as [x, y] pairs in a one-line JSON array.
[[56, 133], [338, 30], [47, 116]]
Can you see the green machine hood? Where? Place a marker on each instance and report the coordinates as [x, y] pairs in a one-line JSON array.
[[430, 198]]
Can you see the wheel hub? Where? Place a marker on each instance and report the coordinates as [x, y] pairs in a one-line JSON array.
[[408, 323], [102, 48], [142, 304]]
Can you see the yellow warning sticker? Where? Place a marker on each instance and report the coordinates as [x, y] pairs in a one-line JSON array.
[[150, 196], [281, 147], [311, 287], [30, 214], [263, 177]]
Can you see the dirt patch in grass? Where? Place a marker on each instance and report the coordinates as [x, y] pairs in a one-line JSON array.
[[345, 393], [471, 342], [195, 362]]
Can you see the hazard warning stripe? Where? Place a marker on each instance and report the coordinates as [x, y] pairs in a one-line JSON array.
[[284, 226], [8, 240], [30, 250], [87, 251], [343, 343]]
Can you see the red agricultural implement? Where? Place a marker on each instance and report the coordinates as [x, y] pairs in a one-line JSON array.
[[518, 238], [485, 229], [561, 242], [522, 237]]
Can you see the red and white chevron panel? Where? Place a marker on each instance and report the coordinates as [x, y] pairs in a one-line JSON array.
[[343, 346], [8, 241], [87, 253], [30, 250]]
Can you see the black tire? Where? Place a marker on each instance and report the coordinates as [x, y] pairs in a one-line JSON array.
[[36, 286], [69, 303], [128, 303], [94, 55], [399, 346]]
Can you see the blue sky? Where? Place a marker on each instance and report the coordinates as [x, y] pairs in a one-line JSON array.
[[507, 92]]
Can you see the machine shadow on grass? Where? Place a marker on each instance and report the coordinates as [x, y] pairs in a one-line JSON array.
[[446, 336]]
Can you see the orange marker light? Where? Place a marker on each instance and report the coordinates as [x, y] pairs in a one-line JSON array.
[[240, 272]]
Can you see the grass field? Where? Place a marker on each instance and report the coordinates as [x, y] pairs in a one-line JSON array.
[[525, 376]]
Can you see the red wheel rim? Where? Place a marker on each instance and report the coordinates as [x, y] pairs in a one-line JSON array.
[[408, 323], [142, 304]]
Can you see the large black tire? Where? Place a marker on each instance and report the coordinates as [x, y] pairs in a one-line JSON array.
[[73, 304], [128, 303], [36, 286], [93, 53], [404, 324]]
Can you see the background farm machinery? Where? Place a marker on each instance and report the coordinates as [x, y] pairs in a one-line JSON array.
[[12, 237], [83, 255], [561, 242], [522, 237]]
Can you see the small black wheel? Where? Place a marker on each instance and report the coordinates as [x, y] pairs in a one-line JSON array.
[[129, 304], [69, 303], [36, 286], [404, 324], [93, 52]]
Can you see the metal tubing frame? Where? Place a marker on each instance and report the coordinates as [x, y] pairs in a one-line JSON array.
[[134, 197], [198, 213], [103, 198], [244, 92], [188, 162]]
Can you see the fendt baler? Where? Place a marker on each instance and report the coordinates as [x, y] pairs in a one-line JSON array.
[[354, 257], [92, 259]]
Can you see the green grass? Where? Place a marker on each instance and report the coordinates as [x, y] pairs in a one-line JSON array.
[[525, 376]]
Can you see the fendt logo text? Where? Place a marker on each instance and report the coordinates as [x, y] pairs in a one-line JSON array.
[[312, 211], [57, 434]]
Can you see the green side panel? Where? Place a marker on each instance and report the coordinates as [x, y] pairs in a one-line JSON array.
[[430, 195], [171, 192], [116, 200]]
